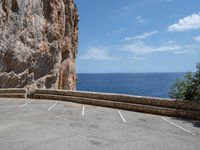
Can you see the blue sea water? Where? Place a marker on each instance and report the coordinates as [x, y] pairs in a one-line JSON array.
[[142, 84]]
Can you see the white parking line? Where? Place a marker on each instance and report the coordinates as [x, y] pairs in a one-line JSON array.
[[83, 111], [177, 125], [52, 106], [122, 116], [26, 103]]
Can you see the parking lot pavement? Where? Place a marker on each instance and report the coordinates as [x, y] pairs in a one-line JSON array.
[[47, 124]]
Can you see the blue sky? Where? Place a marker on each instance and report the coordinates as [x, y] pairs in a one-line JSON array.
[[138, 36]]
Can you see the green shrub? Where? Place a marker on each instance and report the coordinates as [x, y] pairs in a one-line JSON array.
[[187, 89]]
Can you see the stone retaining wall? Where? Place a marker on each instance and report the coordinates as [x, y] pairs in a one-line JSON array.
[[13, 93], [152, 101], [125, 106], [159, 106]]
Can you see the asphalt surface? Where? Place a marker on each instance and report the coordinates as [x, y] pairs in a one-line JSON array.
[[50, 125]]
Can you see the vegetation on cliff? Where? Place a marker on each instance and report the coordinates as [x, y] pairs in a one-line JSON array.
[[189, 88]]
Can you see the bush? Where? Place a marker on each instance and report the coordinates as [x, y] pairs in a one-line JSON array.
[[187, 89]]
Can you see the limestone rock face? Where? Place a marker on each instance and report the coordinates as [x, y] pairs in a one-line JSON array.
[[38, 44]]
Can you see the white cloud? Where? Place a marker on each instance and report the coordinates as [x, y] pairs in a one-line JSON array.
[[117, 31], [197, 38], [181, 52], [140, 37], [138, 58], [186, 23], [145, 35], [140, 19], [140, 48], [123, 11], [170, 42], [97, 54], [126, 7], [120, 30], [127, 39]]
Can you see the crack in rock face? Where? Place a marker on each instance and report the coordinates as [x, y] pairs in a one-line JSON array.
[[39, 44]]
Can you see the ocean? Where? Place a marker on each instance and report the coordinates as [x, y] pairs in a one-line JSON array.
[[141, 84]]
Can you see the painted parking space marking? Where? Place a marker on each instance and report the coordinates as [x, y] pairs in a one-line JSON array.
[[52, 106], [124, 120], [26, 104], [177, 126], [83, 111]]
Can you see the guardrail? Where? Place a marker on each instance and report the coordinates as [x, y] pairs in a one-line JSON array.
[[158, 106]]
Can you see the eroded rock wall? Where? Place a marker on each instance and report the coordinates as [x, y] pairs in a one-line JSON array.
[[38, 44]]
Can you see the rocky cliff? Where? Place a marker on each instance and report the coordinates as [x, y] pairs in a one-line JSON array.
[[38, 44]]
